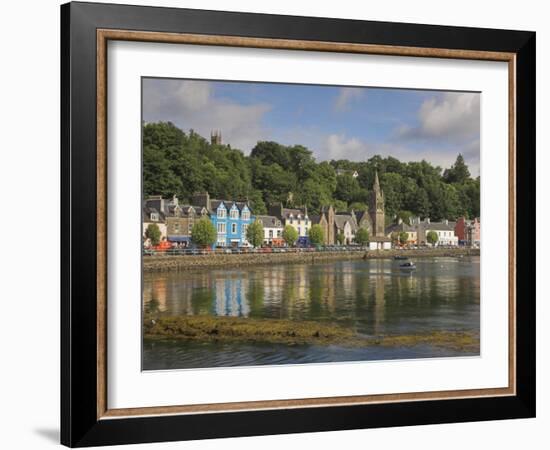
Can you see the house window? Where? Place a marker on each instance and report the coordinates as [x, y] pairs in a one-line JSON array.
[[177, 227], [221, 212], [190, 227], [154, 217], [299, 231], [221, 228], [245, 227], [246, 214], [234, 214], [233, 228], [270, 233], [279, 232]]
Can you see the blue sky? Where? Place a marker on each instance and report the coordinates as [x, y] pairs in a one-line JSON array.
[[333, 122]]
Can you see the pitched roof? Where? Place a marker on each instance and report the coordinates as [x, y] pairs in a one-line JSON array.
[[294, 211], [363, 215], [400, 227], [315, 218], [439, 226], [199, 208], [214, 204], [269, 221], [148, 210], [341, 219]]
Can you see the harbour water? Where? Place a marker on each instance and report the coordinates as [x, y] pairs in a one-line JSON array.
[[374, 297]]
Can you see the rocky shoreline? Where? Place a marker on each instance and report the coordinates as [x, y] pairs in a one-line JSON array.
[[281, 331], [216, 260]]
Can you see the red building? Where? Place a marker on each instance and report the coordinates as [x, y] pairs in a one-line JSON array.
[[468, 231]]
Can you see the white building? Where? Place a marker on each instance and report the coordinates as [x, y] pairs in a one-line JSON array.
[[273, 230], [295, 217], [379, 243], [445, 231], [345, 224], [352, 173], [153, 216]]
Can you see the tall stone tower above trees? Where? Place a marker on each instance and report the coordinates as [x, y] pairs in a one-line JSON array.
[[216, 137], [376, 208]]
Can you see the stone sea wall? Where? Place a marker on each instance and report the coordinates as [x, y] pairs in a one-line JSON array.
[[212, 261]]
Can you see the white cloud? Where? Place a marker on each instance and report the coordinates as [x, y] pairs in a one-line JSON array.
[[450, 116], [327, 146], [193, 105], [346, 96], [450, 120], [339, 146]]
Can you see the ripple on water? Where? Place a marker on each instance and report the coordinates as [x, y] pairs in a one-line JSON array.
[[374, 297]]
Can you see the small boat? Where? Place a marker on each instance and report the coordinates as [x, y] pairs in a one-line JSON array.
[[400, 257], [408, 266]]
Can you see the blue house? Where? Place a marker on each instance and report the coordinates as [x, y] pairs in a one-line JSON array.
[[230, 218]]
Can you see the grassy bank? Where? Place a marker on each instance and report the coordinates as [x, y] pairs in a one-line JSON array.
[[232, 329], [215, 260]]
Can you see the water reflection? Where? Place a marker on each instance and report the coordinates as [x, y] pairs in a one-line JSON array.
[[374, 297]]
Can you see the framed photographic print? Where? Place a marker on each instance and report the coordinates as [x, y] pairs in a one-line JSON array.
[[277, 224]]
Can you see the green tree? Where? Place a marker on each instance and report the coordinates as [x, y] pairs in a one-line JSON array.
[[403, 237], [203, 233], [257, 202], [347, 188], [180, 163], [340, 205], [313, 194], [316, 235], [290, 235], [458, 173], [393, 185], [255, 233], [358, 206], [405, 216], [153, 234], [340, 238], [432, 237], [362, 236]]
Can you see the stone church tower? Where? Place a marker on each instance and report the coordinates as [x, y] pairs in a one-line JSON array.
[[376, 209], [216, 137]]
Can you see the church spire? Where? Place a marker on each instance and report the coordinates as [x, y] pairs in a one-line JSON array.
[[376, 186]]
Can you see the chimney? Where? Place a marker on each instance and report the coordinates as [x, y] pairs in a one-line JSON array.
[[427, 220], [399, 221], [201, 199], [155, 201], [276, 209], [446, 221]]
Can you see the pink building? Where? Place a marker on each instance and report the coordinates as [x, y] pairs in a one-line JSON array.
[[468, 231]]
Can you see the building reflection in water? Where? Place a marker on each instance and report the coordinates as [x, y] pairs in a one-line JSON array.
[[231, 297], [154, 295], [374, 296], [379, 298]]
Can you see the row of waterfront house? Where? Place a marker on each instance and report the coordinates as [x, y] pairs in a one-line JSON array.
[[231, 219]]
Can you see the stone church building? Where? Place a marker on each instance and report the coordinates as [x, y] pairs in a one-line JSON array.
[[347, 224]]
